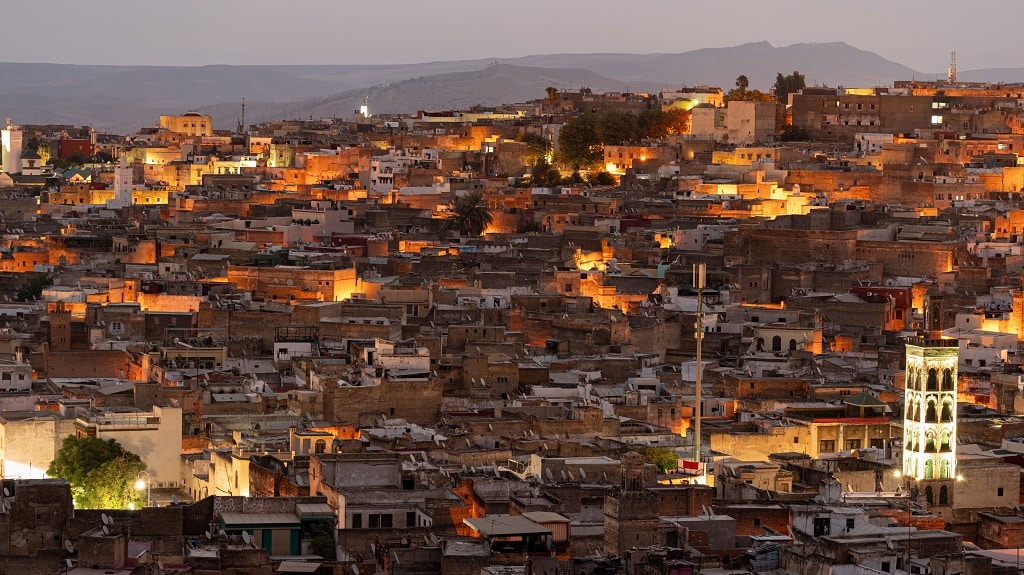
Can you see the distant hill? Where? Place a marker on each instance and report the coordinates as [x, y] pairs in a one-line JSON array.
[[494, 85], [830, 64], [123, 98]]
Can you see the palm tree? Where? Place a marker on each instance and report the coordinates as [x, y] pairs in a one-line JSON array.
[[469, 215]]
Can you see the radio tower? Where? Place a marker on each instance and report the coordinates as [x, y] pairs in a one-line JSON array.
[[952, 67]]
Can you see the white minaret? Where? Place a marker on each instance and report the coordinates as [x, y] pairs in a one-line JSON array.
[[10, 138], [123, 174], [929, 423]]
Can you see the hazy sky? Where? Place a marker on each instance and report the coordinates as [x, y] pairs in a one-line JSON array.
[[917, 33]]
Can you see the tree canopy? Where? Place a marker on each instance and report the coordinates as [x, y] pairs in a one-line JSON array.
[[102, 474], [469, 215], [786, 85], [664, 458], [582, 138], [578, 143]]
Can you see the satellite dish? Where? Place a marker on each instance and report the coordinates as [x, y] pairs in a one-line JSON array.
[[548, 473], [208, 536], [583, 474], [106, 531], [106, 519], [246, 537], [355, 569], [68, 563], [7, 493], [175, 500], [69, 546]]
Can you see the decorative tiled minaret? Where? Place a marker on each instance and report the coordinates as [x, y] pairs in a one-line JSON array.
[[929, 421]]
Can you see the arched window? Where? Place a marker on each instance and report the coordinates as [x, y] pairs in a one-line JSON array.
[[917, 379], [930, 415], [776, 343], [944, 495], [910, 411], [947, 412], [947, 380], [929, 473], [929, 493], [929, 443], [320, 446], [944, 469], [760, 344], [944, 442], [933, 380], [792, 345]]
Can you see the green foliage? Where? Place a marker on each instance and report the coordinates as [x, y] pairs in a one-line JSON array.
[[544, 175], [75, 160], [663, 457], [102, 474], [552, 95], [44, 153], [617, 127], [33, 287], [600, 178], [744, 95], [786, 85], [742, 82], [658, 124], [537, 147], [469, 215], [323, 545], [578, 143]]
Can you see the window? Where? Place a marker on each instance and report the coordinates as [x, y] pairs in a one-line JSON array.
[[936, 119], [999, 492], [827, 446], [821, 526], [849, 523], [757, 522], [357, 521], [853, 444], [796, 439], [410, 519], [380, 521]]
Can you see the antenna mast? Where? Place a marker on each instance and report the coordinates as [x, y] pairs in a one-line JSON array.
[[952, 67], [241, 121]]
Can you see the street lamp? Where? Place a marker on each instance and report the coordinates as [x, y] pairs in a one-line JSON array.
[[143, 481]]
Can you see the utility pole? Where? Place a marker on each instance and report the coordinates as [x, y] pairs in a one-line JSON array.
[[699, 282]]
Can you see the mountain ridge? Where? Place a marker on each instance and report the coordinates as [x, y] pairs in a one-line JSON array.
[[124, 98]]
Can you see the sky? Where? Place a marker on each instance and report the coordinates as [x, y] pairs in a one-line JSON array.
[[916, 33]]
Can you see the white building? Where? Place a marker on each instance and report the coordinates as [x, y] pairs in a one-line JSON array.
[[929, 423]]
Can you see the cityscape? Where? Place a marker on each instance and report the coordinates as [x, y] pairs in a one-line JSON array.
[[732, 311]]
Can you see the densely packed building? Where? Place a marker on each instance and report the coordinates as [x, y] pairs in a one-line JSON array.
[[424, 344]]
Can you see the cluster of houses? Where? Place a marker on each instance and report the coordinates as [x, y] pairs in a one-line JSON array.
[[747, 355]]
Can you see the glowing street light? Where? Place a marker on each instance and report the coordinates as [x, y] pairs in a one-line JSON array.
[[143, 481]]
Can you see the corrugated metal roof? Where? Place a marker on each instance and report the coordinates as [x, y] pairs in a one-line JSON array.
[[239, 519]]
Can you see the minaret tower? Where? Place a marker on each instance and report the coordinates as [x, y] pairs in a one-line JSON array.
[[929, 422]]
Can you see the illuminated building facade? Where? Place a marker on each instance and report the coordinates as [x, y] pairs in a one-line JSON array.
[[929, 423]]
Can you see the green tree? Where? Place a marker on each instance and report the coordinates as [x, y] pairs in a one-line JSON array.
[[617, 127], [323, 545], [44, 153], [600, 178], [663, 457], [552, 95], [656, 123], [33, 288], [747, 95], [537, 147], [544, 175], [742, 82], [101, 473], [469, 215], [578, 144], [786, 85]]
